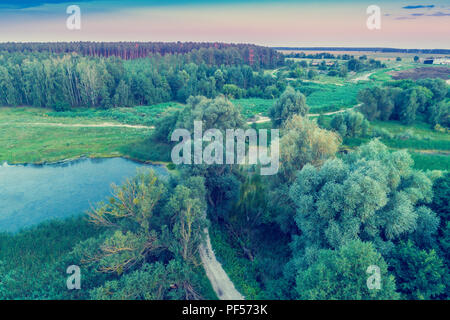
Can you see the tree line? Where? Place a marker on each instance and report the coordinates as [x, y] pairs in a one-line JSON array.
[[211, 53], [406, 100], [63, 81]]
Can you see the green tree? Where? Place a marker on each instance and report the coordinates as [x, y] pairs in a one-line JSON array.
[[419, 273], [146, 225], [342, 274], [409, 107], [349, 124], [377, 103], [302, 143], [218, 113], [290, 103], [369, 195]]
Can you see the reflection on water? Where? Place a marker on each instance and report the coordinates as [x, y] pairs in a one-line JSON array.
[[30, 194]]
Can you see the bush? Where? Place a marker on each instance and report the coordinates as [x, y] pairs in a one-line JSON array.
[[381, 133]]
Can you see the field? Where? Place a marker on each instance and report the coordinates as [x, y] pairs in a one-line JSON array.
[[29, 135], [320, 98], [422, 73], [141, 115], [429, 149], [328, 97], [251, 107]]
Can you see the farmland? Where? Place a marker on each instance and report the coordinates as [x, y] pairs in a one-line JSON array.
[[422, 73]]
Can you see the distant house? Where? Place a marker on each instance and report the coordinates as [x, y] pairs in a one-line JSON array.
[[437, 61], [441, 61]]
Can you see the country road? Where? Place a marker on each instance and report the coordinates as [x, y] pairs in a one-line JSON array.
[[364, 77], [263, 119], [220, 281]]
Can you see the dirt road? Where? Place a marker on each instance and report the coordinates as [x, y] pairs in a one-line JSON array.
[[220, 281], [364, 77], [263, 119]]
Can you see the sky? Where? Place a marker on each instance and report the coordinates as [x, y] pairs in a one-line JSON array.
[[404, 24]]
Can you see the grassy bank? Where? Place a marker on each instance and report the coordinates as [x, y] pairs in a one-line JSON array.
[[32, 135]]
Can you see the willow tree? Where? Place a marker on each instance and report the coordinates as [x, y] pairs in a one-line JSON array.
[[303, 142], [290, 103], [144, 225], [370, 194], [345, 274]]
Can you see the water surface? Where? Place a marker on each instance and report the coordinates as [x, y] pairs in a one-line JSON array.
[[30, 194]]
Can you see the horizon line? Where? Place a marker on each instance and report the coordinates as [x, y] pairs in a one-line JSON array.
[[296, 48]]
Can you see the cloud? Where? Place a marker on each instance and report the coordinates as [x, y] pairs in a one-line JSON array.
[[439, 14], [417, 14], [420, 6], [405, 18]]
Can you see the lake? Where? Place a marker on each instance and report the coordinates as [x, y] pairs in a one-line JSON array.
[[30, 194]]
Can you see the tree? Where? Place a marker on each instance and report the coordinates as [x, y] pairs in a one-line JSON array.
[[376, 103], [218, 113], [350, 124], [146, 225], [437, 86], [188, 208], [439, 113], [369, 195], [409, 107], [419, 273], [427, 227], [290, 103], [441, 198], [312, 74], [342, 274], [221, 184], [303, 142]]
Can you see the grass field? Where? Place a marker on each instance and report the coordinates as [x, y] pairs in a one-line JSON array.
[[253, 106], [319, 97], [141, 115], [429, 149], [329, 97], [25, 137]]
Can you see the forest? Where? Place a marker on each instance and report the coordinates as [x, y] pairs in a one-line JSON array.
[[335, 208], [63, 81]]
